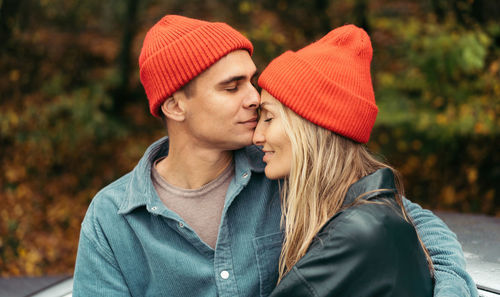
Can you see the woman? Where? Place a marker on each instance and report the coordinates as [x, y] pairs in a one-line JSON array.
[[346, 230]]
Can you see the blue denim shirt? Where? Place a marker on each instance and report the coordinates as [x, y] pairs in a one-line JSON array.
[[132, 245]]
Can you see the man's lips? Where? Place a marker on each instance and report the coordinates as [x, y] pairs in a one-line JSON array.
[[252, 123]]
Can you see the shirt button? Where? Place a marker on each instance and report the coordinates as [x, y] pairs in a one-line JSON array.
[[245, 175], [181, 225], [224, 274], [154, 208]]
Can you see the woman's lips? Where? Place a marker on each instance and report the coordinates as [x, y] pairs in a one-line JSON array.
[[267, 156]]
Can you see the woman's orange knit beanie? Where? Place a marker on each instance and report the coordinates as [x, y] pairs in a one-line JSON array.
[[177, 49], [328, 82]]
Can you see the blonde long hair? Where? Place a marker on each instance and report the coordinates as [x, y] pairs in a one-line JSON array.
[[324, 166]]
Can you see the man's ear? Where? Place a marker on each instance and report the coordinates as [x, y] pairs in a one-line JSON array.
[[173, 108]]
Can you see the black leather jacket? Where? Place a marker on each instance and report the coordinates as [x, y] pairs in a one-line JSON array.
[[365, 250]]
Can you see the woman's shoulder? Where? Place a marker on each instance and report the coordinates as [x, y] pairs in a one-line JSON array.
[[369, 224], [370, 243]]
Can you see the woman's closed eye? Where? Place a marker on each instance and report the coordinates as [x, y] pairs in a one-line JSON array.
[[264, 114]]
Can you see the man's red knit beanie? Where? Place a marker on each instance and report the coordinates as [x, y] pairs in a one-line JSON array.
[[177, 49], [328, 82]]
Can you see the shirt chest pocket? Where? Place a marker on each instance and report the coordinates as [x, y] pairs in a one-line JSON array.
[[267, 252]]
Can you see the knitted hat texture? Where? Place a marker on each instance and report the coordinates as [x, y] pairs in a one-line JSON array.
[[328, 82], [177, 49]]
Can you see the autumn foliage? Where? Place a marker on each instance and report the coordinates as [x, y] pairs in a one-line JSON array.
[[73, 115]]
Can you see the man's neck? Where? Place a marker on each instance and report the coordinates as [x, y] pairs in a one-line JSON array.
[[191, 167]]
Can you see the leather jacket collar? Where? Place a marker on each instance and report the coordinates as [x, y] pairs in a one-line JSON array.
[[381, 182]]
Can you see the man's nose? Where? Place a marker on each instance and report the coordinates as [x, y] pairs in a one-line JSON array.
[[253, 99]]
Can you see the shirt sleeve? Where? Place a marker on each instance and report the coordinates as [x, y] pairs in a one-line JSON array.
[[96, 270], [451, 278]]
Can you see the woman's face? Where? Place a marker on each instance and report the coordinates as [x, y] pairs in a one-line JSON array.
[[270, 134]]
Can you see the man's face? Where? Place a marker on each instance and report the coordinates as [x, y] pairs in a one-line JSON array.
[[221, 110]]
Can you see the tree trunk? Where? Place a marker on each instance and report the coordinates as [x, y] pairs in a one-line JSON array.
[[8, 14], [122, 92], [360, 15]]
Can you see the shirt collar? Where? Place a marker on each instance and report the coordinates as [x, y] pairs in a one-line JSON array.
[[249, 158], [140, 190], [381, 182]]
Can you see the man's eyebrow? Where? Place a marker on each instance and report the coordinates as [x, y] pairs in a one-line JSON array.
[[237, 78], [232, 79]]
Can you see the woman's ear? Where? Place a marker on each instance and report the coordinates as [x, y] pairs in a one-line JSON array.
[[173, 107]]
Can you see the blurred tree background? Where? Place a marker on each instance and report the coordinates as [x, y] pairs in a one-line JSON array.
[[73, 115]]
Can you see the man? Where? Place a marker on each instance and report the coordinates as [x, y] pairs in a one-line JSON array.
[[197, 217]]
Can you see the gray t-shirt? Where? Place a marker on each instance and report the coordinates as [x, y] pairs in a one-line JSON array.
[[200, 208]]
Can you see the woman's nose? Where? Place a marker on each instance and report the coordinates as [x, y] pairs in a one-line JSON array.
[[258, 135]]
